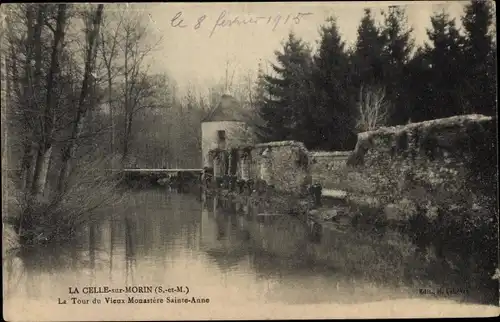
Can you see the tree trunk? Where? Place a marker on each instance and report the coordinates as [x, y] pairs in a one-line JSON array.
[[70, 148], [13, 89], [26, 94], [112, 116], [108, 63], [41, 170], [35, 51], [127, 108], [37, 184], [127, 137], [5, 102], [31, 170], [25, 166], [40, 20], [45, 148]]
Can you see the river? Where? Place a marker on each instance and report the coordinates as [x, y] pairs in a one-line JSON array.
[[245, 264]]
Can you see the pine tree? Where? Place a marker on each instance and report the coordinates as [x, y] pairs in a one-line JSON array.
[[258, 124], [367, 55], [398, 46], [286, 100], [445, 67], [420, 84], [334, 113], [479, 54]]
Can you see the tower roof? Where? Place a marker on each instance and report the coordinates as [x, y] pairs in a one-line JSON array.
[[228, 109]]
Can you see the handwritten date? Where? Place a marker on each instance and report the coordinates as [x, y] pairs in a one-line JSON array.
[[224, 21]]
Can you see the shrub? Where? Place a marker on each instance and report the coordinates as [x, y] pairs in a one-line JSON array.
[[57, 218]]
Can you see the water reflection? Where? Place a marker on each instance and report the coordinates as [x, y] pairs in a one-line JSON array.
[[223, 235], [224, 247]]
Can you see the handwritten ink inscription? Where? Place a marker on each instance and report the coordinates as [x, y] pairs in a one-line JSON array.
[[225, 21]]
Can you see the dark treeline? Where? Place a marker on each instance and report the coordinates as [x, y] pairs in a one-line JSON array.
[[324, 98]]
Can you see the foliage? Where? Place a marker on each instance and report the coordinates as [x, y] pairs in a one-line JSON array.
[[367, 57], [479, 53], [335, 112], [397, 48], [453, 73], [285, 107]]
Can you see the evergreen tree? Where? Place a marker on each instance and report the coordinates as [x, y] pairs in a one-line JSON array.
[[285, 105], [259, 124], [445, 67], [420, 83], [367, 55], [398, 46], [334, 114], [480, 56]]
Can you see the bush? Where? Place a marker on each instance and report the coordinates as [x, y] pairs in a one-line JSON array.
[[57, 218]]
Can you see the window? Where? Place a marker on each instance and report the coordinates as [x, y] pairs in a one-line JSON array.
[[221, 140], [221, 135]]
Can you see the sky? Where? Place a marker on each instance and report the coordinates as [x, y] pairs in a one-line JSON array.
[[198, 54]]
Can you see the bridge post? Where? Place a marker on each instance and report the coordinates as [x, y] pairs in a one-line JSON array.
[[316, 191]]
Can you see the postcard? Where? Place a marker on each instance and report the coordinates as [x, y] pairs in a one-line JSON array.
[[271, 160]]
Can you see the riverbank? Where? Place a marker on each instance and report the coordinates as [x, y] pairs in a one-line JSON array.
[[55, 217], [454, 245]]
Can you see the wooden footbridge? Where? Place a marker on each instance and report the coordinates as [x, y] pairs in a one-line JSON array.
[[166, 171], [167, 177]]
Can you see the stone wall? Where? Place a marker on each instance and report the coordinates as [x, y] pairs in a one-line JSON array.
[[436, 180], [284, 165], [443, 166], [435, 166], [327, 167]]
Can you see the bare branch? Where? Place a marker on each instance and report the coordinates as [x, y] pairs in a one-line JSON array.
[[372, 108]]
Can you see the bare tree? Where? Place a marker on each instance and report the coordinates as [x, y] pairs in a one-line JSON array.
[[23, 85], [92, 32], [47, 119], [44, 70], [135, 49], [229, 76], [249, 82], [110, 37], [5, 102], [55, 89], [373, 109]]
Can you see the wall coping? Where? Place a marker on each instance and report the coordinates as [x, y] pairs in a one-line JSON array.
[[330, 153], [445, 122], [224, 121], [297, 144], [281, 143]]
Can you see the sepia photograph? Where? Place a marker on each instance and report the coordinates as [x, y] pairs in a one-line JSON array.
[[249, 160]]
